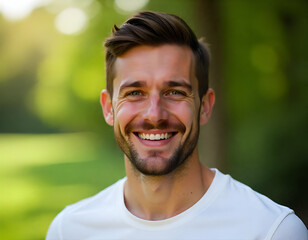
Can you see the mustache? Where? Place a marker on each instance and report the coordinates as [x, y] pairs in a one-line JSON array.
[[163, 125]]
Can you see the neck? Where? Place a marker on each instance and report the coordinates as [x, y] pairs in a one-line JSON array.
[[162, 197]]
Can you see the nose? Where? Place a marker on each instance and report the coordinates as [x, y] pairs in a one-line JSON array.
[[155, 110]]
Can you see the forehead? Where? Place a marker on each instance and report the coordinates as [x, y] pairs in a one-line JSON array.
[[154, 64]]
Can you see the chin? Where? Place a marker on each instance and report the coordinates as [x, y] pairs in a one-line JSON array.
[[155, 165]]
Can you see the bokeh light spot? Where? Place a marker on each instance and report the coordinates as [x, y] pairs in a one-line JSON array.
[[130, 6], [71, 21], [14, 10]]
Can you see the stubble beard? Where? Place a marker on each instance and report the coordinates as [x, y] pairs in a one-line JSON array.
[[175, 161]]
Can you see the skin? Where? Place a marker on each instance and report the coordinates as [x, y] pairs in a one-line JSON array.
[[156, 92]]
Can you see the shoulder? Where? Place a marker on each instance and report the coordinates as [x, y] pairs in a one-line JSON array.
[[256, 202], [291, 227], [103, 202], [256, 212], [242, 197], [104, 198]]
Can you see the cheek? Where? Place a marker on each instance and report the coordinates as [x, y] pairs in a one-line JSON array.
[[125, 113], [184, 112]]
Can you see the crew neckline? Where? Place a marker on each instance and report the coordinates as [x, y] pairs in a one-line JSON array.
[[219, 181]]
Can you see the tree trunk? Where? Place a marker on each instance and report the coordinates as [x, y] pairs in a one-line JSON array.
[[212, 135]]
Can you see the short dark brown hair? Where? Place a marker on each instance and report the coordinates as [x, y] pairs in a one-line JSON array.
[[154, 29]]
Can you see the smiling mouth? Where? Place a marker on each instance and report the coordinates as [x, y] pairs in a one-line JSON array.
[[155, 137]]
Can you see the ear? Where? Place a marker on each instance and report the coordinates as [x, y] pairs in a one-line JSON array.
[[106, 104], [207, 104]]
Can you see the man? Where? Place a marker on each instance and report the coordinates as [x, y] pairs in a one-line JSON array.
[[157, 97]]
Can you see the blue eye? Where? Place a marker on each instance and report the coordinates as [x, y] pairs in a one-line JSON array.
[[134, 93], [176, 93]]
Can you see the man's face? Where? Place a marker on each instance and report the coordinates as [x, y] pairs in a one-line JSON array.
[[156, 107]]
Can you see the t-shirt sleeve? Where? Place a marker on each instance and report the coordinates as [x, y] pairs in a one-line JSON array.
[[54, 231], [291, 227]]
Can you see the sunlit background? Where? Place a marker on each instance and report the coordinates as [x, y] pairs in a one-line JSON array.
[[55, 147]]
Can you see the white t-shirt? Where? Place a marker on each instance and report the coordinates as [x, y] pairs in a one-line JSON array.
[[228, 210]]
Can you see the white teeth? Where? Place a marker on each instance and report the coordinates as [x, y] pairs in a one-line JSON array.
[[154, 136]]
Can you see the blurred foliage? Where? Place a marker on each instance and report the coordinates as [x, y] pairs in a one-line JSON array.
[[55, 148], [266, 97], [40, 174]]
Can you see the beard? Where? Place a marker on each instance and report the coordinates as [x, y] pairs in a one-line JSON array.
[[177, 159]]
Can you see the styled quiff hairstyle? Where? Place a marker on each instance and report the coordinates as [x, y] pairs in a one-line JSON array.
[[155, 29]]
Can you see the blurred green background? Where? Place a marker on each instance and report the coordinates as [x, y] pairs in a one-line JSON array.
[[55, 147]]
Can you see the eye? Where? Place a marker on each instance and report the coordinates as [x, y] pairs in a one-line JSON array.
[[175, 93], [134, 93]]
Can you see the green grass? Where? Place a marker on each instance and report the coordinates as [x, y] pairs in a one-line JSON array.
[[41, 174]]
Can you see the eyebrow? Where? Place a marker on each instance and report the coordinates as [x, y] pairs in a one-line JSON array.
[[171, 83], [179, 83], [129, 84]]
